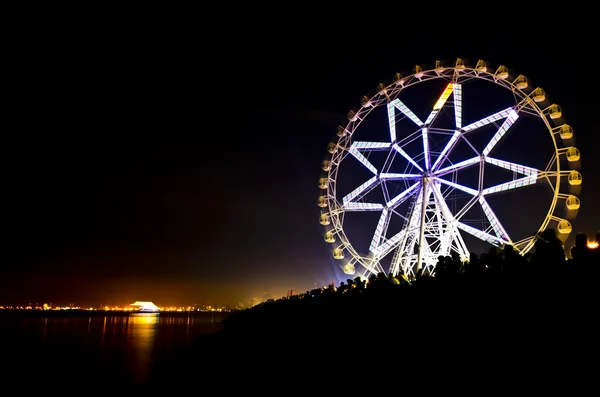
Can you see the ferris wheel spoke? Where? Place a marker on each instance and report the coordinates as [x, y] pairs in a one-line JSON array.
[[512, 117], [360, 191], [403, 195], [352, 206], [522, 169], [481, 234], [465, 189], [380, 230], [458, 166], [392, 121], [407, 112], [366, 145], [440, 103], [515, 184], [431, 116], [393, 175], [426, 154], [359, 156], [488, 120], [406, 156], [530, 178], [458, 105], [388, 245], [449, 145], [465, 208], [494, 221]]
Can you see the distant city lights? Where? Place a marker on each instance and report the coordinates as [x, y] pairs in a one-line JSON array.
[[127, 308]]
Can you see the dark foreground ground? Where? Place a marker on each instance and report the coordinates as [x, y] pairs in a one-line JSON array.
[[521, 334], [470, 335]]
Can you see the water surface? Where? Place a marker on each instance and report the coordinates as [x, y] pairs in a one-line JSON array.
[[99, 350]]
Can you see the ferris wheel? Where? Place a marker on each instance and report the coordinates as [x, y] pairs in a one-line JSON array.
[[444, 159]]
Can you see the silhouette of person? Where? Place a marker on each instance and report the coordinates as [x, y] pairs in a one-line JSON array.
[[549, 255], [580, 252], [513, 261]]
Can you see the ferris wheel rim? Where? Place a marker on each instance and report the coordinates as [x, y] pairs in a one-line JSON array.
[[454, 73]]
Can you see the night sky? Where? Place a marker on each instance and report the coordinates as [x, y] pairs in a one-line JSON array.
[[166, 166]]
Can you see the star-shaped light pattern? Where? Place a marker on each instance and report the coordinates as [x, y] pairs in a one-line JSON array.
[[430, 219]]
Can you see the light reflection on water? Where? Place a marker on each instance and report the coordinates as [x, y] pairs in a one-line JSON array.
[[121, 349], [141, 333]]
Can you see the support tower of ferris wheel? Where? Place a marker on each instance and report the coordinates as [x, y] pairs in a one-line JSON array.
[[422, 191]]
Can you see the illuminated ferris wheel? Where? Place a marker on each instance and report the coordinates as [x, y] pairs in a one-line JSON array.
[[442, 160]]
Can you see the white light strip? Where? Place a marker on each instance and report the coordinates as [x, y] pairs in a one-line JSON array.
[[379, 230], [401, 195], [425, 148], [512, 166], [391, 175], [480, 234], [362, 206], [517, 183], [406, 156], [458, 105], [404, 109], [356, 192], [459, 187], [444, 97], [431, 117], [384, 248], [501, 131], [462, 164], [392, 121], [494, 222], [363, 160], [488, 120], [448, 146], [370, 145]]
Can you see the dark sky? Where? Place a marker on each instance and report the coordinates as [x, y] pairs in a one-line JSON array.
[[163, 165]]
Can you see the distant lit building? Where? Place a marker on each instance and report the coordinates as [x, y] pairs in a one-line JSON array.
[[145, 307]]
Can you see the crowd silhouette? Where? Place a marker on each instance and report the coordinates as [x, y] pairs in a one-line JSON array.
[[499, 314], [549, 266]]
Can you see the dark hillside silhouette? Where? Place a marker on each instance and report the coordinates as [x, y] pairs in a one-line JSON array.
[[499, 315]]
